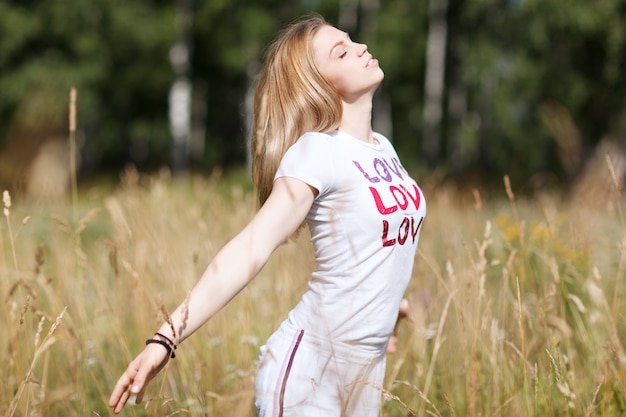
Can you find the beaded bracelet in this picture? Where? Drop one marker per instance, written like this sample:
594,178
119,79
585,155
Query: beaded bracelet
164,344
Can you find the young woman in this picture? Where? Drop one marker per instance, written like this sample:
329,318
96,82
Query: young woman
315,159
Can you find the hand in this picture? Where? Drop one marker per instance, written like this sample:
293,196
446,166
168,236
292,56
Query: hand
403,313
137,376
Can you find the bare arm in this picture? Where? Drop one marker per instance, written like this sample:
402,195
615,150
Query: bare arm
229,272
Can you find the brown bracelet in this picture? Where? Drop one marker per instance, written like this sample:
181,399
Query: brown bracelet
172,344
164,344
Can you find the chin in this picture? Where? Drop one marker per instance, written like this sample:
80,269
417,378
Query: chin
381,78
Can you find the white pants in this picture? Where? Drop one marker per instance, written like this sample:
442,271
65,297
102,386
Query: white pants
300,375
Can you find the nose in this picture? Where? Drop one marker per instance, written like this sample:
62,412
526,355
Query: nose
362,48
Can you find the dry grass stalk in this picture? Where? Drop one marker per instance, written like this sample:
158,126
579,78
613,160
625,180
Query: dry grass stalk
168,319
73,150
39,259
48,341
62,223
511,197
6,199
616,182
86,219
520,317
24,310
478,203
596,185
185,315
437,346
390,396
618,187
42,320
112,256
424,398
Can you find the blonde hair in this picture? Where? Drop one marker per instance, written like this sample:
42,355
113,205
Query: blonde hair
291,98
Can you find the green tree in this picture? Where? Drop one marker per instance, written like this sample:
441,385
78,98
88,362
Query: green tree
513,70
113,52
229,39
514,58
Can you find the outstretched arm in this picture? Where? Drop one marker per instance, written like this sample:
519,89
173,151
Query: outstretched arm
229,272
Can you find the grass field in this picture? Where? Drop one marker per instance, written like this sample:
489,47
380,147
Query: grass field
518,306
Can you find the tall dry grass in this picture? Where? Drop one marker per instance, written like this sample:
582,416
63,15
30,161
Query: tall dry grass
517,305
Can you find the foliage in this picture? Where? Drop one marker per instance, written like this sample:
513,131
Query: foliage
114,53
517,56
506,62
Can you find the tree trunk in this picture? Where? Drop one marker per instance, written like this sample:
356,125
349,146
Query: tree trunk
434,79
181,91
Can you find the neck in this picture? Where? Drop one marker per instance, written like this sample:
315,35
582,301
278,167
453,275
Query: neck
357,120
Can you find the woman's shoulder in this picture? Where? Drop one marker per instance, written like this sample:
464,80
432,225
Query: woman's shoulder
314,136
308,160
310,145
313,141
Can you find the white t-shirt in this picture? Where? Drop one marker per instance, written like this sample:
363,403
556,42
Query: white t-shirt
365,224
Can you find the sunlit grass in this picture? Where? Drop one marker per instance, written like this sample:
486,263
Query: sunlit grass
517,305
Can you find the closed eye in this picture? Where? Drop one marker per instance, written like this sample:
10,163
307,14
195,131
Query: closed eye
343,55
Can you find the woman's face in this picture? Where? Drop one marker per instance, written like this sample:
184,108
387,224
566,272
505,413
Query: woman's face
345,64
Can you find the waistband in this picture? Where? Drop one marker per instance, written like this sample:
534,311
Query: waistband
327,346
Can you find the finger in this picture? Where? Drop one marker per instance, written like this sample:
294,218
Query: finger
120,393
392,345
150,367
404,312
122,401
139,391
120,388
140,383
154,359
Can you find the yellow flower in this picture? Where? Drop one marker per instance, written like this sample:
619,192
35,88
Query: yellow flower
511,233
502,221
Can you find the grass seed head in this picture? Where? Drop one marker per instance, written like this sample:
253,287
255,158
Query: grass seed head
6,199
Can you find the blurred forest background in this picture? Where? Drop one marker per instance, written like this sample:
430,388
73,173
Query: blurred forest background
474,89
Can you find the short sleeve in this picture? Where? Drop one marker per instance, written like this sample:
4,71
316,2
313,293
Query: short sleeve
309,160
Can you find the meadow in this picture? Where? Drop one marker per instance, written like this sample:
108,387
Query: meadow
517,304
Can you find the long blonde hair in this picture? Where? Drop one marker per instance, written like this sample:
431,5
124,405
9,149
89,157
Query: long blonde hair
291,98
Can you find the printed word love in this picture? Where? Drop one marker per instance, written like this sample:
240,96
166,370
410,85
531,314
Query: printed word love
408,228
384,170
398,197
